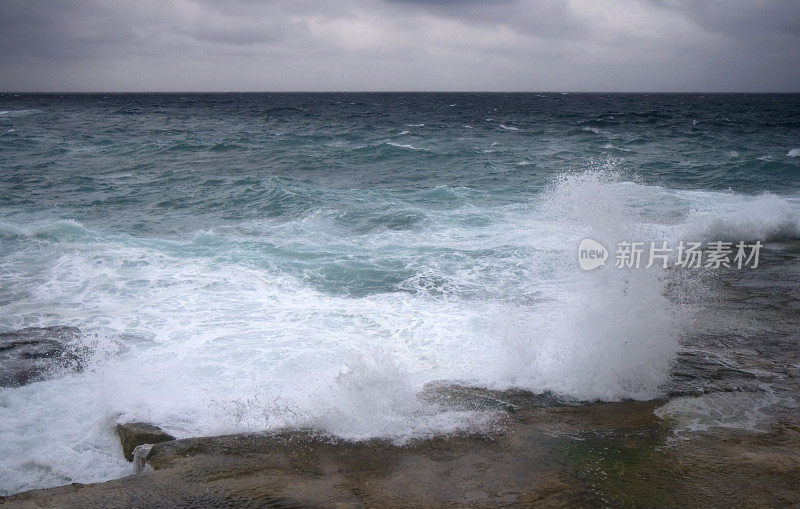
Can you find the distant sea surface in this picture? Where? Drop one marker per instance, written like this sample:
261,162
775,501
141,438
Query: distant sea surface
249,262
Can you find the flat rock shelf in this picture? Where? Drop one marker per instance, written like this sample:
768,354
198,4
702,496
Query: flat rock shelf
608,454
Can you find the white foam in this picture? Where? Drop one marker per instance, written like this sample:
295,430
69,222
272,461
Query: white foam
737,217
607,334
736,410
406,146
609,146
17,113
795,152
57,432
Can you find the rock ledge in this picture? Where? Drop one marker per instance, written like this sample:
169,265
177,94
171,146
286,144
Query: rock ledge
133,434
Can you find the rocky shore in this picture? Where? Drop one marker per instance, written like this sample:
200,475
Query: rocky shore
610,454
543,452
35,353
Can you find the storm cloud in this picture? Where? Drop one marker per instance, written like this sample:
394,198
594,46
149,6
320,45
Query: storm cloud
305,45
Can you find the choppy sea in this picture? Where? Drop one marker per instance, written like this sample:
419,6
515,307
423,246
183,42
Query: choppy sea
249,262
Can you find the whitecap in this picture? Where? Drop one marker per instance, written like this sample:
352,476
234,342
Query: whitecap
405,146
609,146
741,218
18,113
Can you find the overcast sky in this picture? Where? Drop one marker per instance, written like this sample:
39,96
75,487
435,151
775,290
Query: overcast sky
516,45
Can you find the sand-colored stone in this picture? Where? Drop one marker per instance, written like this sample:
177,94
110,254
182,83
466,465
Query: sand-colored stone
134,434
614,454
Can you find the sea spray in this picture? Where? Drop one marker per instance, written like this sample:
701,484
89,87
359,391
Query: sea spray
608,334
764,217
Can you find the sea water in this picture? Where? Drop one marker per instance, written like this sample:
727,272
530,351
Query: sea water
253,262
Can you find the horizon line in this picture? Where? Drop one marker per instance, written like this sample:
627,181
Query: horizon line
76,92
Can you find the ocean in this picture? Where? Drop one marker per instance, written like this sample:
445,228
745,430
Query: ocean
257,262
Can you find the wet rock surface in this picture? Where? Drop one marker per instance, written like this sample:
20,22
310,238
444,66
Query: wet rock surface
611,454
37,353
457,396
133,434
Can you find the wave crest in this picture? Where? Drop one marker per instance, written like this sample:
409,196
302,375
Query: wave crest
764,217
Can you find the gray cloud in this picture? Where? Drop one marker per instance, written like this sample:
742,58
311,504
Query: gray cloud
658,45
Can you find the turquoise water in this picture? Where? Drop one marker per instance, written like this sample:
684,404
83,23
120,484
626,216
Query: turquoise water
256,261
